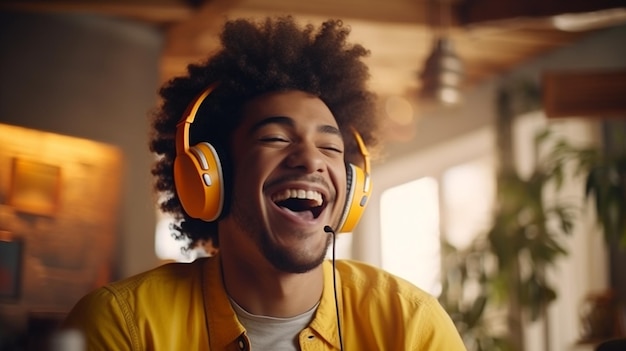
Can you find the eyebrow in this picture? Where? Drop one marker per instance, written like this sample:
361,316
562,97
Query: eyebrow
289,122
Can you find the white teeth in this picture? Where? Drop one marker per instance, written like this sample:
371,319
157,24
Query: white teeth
298,194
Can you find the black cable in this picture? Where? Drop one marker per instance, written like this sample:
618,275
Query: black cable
330,230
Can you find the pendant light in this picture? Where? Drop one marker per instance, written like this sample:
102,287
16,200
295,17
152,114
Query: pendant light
442,74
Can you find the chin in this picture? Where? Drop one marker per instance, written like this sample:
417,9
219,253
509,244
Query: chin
288,261
296,267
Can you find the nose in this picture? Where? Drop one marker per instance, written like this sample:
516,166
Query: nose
307,157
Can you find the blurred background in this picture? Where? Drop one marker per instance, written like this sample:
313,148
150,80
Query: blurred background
501,187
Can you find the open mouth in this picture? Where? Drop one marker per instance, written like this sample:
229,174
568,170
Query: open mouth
306,203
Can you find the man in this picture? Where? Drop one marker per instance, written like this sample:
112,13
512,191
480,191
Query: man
263,156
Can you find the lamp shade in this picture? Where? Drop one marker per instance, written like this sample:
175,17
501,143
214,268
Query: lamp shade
442,74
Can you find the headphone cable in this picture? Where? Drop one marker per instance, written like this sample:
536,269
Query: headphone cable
328,229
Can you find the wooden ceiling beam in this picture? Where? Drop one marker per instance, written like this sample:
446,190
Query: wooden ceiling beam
584,93
152,11
389,11
479,11
196,37
166,11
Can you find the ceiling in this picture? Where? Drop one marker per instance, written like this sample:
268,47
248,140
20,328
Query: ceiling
490,36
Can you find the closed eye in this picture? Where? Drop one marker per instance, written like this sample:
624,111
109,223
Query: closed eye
274,139
332,148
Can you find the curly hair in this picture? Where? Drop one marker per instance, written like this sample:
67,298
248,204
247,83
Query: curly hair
275,54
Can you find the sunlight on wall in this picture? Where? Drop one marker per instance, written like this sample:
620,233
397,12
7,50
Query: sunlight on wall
167,247
468,195
410,233
343,247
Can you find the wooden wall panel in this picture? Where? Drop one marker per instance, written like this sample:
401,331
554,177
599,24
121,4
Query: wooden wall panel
593,94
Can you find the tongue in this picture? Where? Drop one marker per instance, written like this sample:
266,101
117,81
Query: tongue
306,215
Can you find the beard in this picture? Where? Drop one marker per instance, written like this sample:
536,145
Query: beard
289,262
282,258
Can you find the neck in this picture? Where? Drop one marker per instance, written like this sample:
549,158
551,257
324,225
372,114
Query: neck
258,287
275,295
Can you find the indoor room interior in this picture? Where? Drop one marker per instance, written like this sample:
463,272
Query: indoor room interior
478,99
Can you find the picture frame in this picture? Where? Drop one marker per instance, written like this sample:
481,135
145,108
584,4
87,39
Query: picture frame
11,252
35,187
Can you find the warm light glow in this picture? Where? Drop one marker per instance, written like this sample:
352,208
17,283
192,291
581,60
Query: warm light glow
575,22
410,233
464,217
450,78
399,110
449,95
60,195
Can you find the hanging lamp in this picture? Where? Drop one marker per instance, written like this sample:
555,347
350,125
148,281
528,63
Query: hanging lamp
442,74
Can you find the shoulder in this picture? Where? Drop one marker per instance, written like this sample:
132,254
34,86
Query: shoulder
112,317
143,289
167,275
365,277
366,285
392,301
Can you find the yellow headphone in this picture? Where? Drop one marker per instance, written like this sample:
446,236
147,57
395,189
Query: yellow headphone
359,189
197,169
199,179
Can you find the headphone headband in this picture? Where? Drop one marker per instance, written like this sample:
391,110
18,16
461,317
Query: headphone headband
366,158
198,175
182,127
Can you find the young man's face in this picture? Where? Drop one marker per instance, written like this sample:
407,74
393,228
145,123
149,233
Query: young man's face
290,178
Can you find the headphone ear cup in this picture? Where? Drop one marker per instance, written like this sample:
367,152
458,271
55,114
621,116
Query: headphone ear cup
199,182
358,195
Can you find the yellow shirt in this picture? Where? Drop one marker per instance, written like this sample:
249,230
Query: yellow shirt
183,306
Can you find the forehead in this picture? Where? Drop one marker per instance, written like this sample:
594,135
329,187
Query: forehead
301,108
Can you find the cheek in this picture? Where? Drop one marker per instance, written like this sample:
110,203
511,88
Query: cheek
251,171
245,174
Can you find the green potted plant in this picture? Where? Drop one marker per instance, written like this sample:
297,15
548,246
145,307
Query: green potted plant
502,293
520,236
510,284
605,173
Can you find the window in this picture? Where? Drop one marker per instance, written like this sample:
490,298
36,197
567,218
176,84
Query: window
468,195
410,233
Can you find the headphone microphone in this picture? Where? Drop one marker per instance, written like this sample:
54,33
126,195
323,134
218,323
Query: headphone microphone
328,229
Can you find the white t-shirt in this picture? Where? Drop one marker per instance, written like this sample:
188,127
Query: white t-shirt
271,333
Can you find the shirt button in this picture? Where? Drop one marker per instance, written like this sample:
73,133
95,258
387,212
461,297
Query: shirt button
242,343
